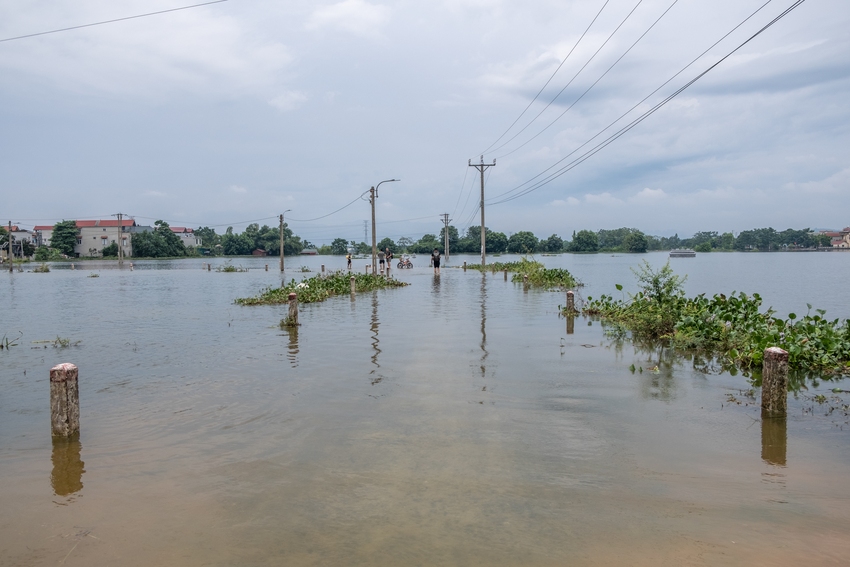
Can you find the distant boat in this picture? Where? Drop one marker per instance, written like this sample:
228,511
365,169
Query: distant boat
682,253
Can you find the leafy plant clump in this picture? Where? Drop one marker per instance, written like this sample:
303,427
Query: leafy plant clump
538,274
230,268
732,328
42,269
319,288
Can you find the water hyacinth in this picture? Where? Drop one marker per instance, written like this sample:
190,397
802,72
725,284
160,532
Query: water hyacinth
319,288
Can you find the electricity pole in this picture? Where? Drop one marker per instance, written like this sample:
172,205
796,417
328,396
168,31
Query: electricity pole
9,244
119,242
481,167
281,237
373,194
446,221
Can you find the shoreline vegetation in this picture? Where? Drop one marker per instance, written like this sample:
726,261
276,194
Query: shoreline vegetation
538,274
731,328
319,288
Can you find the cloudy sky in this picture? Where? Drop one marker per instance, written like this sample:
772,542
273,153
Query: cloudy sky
237,111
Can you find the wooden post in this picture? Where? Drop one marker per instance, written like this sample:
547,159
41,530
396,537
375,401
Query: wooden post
293,309
774,382
367,267
464,266
525,279
267,267
571,302
72,266
353,285
323,268
131,266
774,440
209,267
506,274
64,400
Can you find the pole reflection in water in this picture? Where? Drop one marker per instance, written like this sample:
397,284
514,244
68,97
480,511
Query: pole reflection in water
571,324
376,377
484,352
292,350
67,475
774,440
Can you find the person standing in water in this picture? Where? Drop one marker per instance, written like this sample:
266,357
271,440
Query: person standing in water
381,258
435,259
348,257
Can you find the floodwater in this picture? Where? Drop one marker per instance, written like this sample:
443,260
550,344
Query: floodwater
451,422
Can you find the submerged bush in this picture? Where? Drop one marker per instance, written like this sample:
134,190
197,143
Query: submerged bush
319,288
732,328
538,274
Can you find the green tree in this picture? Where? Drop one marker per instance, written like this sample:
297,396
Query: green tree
496,242
233,244
635,242
209,239
387,243
552,244
584,241
339,246
28,248
522,242
704,246
404,243
454,236
110,250
64,237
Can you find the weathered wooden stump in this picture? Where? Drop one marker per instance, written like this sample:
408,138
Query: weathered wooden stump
774,383
267,267
64,400
353,285
323,268
464,266
571,302
209,267
293,309
506,274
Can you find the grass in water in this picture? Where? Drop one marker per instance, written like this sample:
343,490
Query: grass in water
538,274
319,288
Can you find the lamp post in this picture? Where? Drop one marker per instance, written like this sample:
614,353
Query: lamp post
281,237
372,196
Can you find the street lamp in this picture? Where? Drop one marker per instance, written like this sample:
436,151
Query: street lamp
281,237
374,195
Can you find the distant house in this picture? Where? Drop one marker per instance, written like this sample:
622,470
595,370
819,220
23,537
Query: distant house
187,236
309,252
93,236
19,236
839,238
259,252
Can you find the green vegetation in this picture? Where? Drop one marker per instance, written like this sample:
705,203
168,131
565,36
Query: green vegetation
6,343
64,237
538,275
45,254
319,288
161,242
731,328
230,268
42,269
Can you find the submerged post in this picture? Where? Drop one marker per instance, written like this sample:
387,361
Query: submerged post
267,267
774,382
571,302
323,268
464,266
506,274
209,267
293,309
353,285
64,400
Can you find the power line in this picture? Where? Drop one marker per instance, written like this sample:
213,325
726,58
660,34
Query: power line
636,121
111,21
626,52
592,57
546,84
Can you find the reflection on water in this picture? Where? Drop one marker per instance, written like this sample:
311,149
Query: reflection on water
774,440
484,353
374,326
67,474
292,350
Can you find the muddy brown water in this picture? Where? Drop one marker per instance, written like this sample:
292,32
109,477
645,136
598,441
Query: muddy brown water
452,422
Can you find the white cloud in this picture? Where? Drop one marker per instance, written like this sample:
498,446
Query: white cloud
354,16
287,101
647,194
602,199
838,183
238,189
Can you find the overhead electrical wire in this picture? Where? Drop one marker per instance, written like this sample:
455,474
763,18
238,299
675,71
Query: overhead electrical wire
592,57
636,121
620,58
112,21
546,84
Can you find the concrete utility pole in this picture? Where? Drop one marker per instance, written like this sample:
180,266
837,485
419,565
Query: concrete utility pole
373,194
9,248
119,241
281,237
446,221
481,167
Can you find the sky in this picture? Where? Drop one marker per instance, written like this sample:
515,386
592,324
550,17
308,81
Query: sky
237,111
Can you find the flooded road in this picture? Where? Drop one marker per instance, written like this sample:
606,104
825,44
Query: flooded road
451,422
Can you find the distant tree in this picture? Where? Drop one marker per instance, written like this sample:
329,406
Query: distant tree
339,246
522,242
64,237
584,241
404,243
635,242
727,241
704,246
268,239
209,239
172,246
454,236
426,244
552,244
496,242
110,250
388,243
28,248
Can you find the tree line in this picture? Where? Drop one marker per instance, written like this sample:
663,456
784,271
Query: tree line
161,242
